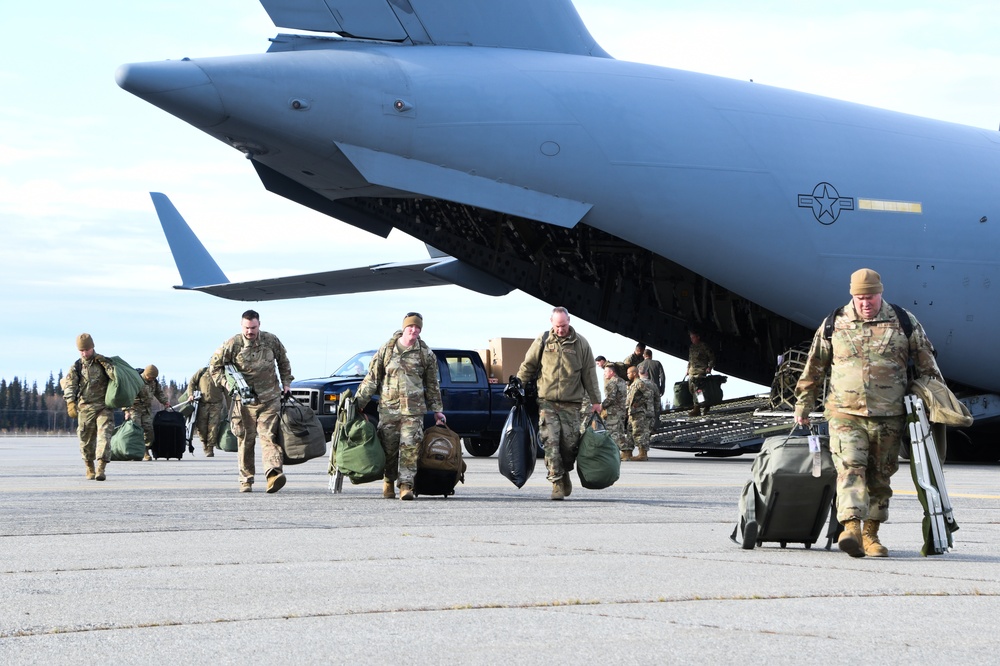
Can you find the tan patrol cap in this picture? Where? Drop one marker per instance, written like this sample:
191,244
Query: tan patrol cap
865,281
84,341
150,373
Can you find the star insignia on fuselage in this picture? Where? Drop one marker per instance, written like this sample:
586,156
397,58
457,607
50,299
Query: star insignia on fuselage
826,203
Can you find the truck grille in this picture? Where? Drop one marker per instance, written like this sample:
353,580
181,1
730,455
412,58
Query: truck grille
308,397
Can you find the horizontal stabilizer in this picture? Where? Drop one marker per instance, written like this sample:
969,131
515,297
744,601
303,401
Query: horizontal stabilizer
194,263
199,272
439,182
539,25
380,277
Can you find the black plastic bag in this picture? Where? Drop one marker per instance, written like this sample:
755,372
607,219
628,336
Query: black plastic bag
518,444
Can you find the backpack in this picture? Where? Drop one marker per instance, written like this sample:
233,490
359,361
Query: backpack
439,465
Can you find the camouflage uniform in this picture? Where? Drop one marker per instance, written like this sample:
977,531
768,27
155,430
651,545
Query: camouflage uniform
211,408
141,411
700,360
867,362
256,359
86,385
641,414
615,393
406,381
566,376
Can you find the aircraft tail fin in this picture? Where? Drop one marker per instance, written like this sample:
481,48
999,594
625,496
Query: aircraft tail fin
539,25
194,263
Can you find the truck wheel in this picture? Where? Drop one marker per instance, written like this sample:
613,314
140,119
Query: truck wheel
481,447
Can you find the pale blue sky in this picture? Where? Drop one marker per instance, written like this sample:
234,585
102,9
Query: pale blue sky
81,248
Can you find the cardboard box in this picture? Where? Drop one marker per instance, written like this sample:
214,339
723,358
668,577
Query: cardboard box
506,356
484,354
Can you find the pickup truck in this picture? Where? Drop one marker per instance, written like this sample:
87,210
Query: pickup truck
476,409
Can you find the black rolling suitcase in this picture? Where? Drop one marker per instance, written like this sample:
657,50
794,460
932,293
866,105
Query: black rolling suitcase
784,500
169,435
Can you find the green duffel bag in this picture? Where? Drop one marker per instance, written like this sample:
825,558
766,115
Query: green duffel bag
599,460
128,442
185,408
227,440
359,454
682,395
125,386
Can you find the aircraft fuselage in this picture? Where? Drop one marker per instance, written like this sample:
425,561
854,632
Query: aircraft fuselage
754,203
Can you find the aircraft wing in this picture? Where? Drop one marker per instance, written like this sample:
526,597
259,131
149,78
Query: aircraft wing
200,272
541,25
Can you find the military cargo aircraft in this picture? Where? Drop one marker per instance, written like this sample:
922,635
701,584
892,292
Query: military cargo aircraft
503,135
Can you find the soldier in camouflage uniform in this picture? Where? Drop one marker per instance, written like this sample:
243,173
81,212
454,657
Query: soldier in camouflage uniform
866,357
564,365
615,419
255,353
85,389
404,374
211,408
701,360
641,413
141,411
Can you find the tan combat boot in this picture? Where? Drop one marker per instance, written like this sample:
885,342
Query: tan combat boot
275,482
641,456
90,468
557,490
567,485
209,453
626,455
246,487
869,537
101,464
147,456
406,492
388,492
850,538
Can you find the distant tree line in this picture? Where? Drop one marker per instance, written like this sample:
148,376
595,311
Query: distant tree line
26,410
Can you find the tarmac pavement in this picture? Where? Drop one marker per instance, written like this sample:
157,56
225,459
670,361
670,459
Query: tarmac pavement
165,562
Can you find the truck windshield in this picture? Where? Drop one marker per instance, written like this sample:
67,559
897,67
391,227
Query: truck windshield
356,366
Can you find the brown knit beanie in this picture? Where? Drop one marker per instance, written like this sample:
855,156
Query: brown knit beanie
413,319
865,281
